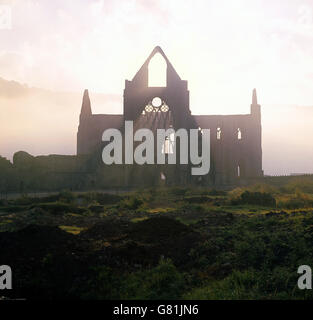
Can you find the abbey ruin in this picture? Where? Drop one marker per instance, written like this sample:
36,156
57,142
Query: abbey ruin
236,152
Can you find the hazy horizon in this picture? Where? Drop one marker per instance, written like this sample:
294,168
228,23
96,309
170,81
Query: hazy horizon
46,122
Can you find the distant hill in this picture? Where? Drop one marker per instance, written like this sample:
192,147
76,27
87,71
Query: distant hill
42,121
13,89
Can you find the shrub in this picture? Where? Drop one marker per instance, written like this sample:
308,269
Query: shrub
239,285
105,285
299,200
24,200
131,203
198,199
263,188
66,196
162,282
178,191
96,208
279,283
302,184
60,208
214,192
255,198
235,194
101,198
190,207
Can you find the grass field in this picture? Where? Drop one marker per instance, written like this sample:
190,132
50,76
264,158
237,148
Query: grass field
160,243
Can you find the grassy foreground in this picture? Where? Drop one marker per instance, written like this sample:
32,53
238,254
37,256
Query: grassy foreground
167,243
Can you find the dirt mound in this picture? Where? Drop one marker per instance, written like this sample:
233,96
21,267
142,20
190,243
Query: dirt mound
144,242
216,219
162,236
105,230
158,229
45,261
34,241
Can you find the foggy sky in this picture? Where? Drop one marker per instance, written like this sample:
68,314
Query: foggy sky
223,48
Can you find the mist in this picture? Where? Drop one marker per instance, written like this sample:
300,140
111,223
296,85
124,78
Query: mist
43,122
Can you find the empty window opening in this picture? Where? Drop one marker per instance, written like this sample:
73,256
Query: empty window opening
239,134
218,133
168,145
238,171
157,71
156,102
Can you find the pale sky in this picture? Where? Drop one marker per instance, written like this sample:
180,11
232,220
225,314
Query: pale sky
223,48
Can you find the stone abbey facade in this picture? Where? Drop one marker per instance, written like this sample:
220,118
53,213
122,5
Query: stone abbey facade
236,152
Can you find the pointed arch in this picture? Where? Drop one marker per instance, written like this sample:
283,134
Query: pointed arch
157,71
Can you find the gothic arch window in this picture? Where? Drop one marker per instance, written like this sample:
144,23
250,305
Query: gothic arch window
168,145
218,133
238,171
157,71
239,134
